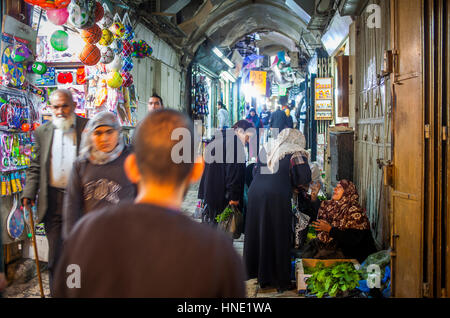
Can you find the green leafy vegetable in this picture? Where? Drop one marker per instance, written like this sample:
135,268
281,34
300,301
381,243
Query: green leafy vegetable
224,215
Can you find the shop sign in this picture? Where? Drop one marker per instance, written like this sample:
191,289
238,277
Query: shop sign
258,81
323,98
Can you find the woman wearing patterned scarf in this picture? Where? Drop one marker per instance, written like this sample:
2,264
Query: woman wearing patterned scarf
343,226
98,178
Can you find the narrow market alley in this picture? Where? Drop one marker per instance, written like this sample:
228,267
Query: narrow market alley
318,141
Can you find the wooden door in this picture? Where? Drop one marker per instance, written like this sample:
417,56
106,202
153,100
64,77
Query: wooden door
407,36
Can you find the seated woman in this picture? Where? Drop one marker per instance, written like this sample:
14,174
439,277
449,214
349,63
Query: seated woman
343,227
98,178
267,241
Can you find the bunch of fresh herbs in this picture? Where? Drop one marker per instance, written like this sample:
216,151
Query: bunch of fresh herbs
224,215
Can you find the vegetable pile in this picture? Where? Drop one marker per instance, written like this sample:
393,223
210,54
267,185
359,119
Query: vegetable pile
224,215
333,279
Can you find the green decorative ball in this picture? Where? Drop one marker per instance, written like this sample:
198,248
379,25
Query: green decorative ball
60,40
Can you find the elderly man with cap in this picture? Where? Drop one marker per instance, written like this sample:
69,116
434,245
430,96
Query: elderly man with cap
98,178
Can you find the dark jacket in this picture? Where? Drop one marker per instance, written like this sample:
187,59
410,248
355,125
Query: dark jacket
39,170
279,120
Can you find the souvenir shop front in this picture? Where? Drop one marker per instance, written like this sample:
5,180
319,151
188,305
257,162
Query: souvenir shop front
85,47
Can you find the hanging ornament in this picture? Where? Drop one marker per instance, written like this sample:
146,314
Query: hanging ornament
107,38
92,35
127,79
99,11
82,13
127,64
129,33
20,53
39,68
117,46
58,16
127,48
116,64
117,29
59,40
107,55
114,79
106,21
141,49
90,55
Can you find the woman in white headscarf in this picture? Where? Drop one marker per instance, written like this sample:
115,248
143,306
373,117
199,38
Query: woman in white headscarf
98,178
268,227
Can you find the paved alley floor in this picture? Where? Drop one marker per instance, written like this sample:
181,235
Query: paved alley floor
30,289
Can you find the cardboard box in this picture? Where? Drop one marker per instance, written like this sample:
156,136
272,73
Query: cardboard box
311,262
42,246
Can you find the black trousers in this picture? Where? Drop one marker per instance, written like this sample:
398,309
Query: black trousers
53,229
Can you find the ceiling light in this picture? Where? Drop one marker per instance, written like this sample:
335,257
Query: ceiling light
217,52
228,62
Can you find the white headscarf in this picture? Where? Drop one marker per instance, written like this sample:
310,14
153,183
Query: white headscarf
289,141
87,149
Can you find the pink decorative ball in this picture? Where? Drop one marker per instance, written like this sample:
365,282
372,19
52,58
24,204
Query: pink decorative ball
58,16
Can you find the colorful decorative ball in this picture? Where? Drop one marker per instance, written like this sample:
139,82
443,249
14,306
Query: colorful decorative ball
99,11
106,21
20,53
39,68
58,16
127,79
82,13
25,127
117,46
127,48
59,40
141,49
118,29
90,55
92,35
114,80
107,37
127,64
107,55
129,33
116,64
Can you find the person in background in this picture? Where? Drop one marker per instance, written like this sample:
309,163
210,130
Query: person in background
98,178
222,183
254,119
265,121
155,102
290,122
268,230
57,144
148,248
222,116
279,119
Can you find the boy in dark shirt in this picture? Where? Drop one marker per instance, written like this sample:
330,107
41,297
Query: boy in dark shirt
149,249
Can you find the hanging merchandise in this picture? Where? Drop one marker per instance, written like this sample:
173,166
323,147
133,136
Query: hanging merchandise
127,48
114,79
13,73
20,53
49,4
107,55
99,11
141,49
118,29
65,78
117,46
81,76
39,68
107,20
129,33
107,38
90,55
58,16
127,64
127,79
14,223
59,40
102,94
92,35
82,13
46,79
116,64
201,95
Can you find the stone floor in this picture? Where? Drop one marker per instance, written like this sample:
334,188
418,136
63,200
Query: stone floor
25,282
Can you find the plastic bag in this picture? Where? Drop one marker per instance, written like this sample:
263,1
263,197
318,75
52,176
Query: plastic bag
301,229
233,224
199,210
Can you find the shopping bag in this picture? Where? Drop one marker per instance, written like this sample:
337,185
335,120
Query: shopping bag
199,210
231,221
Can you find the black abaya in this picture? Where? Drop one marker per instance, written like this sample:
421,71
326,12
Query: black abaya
268,237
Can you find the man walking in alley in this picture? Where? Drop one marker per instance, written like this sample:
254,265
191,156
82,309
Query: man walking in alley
57,145
155,102
279,119
149,248
222,116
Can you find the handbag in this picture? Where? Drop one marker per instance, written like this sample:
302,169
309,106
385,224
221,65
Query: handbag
231,221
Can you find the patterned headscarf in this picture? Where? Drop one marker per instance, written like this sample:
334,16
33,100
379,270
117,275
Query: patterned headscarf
343,214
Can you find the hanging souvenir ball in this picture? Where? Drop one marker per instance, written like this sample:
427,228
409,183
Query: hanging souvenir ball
127,48
127,64
106,21
114,80
107,38
129,33
59,40
99,11
141,49
117,46
90,55
127,79
82,13
39,68
116,64
107,55
117,29
58,16
92,35
20,53
25,127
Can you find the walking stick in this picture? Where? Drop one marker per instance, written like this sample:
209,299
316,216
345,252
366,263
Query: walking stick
36,256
